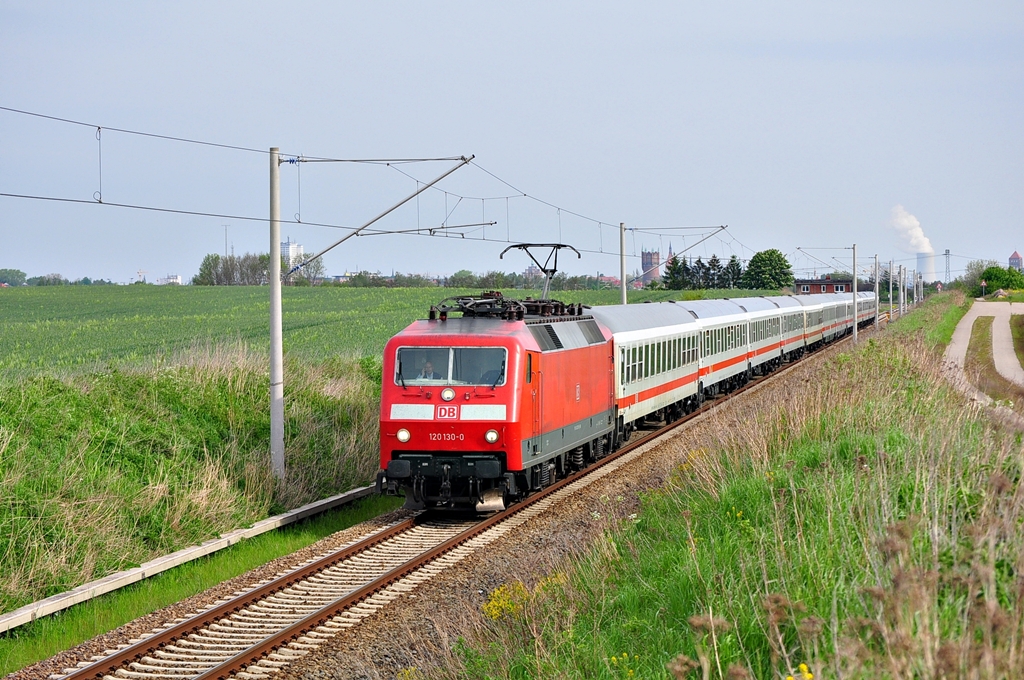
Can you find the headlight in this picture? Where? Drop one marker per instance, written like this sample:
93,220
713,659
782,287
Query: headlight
491,436
403,435
447,394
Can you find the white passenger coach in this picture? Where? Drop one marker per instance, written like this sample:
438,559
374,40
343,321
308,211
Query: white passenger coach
670,356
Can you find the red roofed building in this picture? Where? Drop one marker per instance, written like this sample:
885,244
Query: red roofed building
1016,262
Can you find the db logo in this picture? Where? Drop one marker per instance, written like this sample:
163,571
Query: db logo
446,412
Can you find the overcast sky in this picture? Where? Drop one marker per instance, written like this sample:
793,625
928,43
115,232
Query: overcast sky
799,124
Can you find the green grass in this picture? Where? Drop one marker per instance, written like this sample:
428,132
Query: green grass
1017,331
103,471
936,318
48,636
851,525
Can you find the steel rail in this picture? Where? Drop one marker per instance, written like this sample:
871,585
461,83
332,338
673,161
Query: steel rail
136,651
253,654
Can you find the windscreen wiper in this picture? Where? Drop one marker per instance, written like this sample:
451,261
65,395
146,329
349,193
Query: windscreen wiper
501,374
401,378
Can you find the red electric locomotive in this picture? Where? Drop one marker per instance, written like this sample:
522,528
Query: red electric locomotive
485,407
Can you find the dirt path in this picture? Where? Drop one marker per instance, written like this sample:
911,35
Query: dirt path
1004,357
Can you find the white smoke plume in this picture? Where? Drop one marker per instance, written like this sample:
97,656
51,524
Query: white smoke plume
910,231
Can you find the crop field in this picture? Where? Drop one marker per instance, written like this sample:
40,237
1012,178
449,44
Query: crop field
65,330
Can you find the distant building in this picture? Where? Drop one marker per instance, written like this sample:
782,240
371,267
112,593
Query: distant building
610,281
1016,262
169,280
650,265
291,252
826,284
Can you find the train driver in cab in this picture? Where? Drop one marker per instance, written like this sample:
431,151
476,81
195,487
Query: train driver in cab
428,373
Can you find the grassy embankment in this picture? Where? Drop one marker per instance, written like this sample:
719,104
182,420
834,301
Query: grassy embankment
868,524
133,420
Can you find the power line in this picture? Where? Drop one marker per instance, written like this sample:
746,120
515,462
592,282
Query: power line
542,201
234,147
655,231
134,132
295,159
440,231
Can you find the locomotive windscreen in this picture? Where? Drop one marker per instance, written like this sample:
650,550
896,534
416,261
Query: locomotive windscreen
450,366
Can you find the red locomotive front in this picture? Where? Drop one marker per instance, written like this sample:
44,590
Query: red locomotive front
469,419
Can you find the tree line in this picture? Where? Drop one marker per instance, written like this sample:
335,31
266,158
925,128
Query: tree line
253,269
767,270
995,277
16,277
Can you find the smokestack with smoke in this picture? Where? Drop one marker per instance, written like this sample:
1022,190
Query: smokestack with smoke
913,240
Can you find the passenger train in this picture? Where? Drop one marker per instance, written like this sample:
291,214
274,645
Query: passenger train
490,398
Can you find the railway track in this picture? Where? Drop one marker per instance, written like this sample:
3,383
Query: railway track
256,633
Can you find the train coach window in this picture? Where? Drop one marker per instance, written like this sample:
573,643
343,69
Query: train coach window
529,368
451,365
422,365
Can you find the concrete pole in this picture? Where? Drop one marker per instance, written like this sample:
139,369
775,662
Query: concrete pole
622,260
901,289
276,349
854,286
876,292
891,307
913,282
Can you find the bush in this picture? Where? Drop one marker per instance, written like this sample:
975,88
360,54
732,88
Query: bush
997,277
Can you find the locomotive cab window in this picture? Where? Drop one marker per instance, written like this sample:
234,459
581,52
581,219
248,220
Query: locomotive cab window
451,366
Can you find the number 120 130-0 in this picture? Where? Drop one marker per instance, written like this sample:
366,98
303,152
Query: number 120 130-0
446,437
